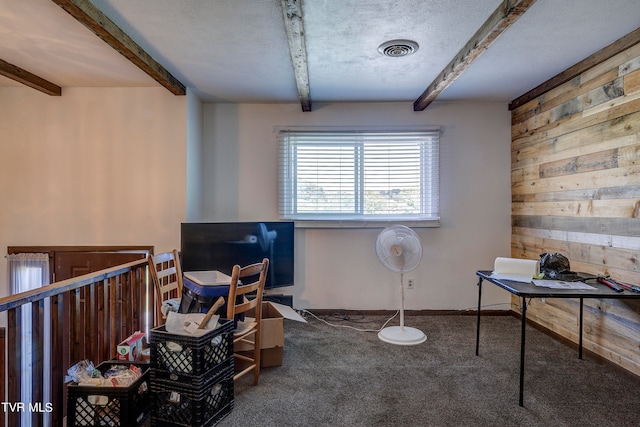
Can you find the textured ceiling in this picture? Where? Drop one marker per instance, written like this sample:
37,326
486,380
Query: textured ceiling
237,51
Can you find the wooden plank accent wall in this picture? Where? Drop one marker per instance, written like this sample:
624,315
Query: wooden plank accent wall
575,178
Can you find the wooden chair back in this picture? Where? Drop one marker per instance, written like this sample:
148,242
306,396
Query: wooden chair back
237,293
166,275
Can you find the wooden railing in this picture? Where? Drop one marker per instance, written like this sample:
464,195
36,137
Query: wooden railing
89,316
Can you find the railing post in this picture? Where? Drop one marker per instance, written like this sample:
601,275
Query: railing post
14,355
37,362
92,330
59,355
113,327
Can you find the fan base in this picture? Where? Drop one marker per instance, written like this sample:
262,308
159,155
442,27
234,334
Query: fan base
402,335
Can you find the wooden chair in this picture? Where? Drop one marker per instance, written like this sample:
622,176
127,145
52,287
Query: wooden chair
248,361
166,274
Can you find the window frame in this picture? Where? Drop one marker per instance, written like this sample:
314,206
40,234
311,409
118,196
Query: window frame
429,177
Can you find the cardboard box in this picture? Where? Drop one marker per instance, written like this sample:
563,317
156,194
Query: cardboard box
131,348
271,334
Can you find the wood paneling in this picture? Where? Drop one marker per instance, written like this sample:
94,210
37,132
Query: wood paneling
575,180
581,68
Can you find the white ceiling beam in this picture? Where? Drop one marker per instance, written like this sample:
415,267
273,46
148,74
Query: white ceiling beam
499,21
96,21
293,22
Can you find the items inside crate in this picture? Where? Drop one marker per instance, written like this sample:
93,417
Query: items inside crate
118,374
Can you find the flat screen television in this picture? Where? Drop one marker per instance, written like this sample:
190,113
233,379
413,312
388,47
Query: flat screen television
221,245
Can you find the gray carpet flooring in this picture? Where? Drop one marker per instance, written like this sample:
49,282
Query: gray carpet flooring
337,376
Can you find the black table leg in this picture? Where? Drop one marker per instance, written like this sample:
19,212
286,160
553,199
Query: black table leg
478,324
580,339
522,337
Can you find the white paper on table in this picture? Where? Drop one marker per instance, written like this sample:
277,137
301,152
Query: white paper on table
561,284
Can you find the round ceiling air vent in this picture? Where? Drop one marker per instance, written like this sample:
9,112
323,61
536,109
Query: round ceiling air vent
398,48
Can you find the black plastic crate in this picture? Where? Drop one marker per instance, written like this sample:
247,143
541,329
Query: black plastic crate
195,381
185,354
110,406
176,404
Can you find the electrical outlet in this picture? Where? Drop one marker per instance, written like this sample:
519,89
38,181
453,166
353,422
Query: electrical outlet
409,283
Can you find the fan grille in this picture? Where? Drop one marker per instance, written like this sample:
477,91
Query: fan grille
410,249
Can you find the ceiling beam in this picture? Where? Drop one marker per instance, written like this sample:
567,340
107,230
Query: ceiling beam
96,21
620,45
26,78
292,12
501,19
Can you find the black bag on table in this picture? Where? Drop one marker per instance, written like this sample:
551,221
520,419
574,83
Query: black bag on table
556,266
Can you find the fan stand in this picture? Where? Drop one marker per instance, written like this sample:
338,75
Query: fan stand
402,335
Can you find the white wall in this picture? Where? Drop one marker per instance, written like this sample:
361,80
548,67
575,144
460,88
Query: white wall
108,166
337,268
96,166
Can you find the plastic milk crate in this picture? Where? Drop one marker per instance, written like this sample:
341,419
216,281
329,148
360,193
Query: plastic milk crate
110,406
177,404
194,381
185,355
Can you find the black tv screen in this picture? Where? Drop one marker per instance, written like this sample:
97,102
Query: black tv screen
221,245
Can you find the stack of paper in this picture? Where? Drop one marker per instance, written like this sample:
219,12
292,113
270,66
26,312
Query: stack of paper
515,269
561,284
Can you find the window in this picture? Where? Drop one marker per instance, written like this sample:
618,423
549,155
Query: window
359,176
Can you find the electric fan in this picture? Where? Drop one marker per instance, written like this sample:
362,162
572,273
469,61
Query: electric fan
398,248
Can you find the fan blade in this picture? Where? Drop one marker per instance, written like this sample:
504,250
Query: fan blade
387,238
396,262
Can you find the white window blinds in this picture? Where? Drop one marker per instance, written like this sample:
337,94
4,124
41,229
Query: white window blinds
359,175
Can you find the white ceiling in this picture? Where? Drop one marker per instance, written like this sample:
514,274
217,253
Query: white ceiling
237,50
